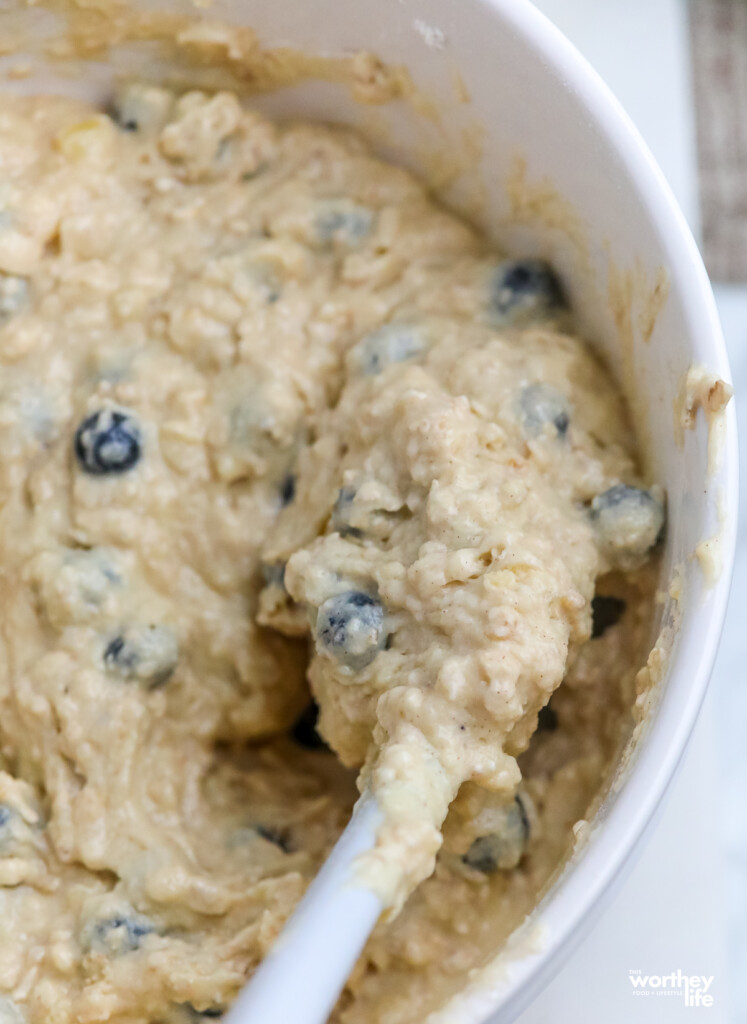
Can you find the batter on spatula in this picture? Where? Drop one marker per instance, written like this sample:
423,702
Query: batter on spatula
449,524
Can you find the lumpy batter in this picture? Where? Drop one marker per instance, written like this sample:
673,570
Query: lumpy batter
268,412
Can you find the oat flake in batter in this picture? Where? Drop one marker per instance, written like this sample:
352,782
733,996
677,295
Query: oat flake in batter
266,409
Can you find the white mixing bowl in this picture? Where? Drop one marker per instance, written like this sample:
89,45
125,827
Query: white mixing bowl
564,174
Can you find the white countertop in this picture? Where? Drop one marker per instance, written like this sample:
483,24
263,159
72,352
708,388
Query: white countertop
671,911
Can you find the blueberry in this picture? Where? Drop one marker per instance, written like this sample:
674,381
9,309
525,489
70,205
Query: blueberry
271,291
93,573
141,108
544,406
17,836
392,343
127,124
547,719
250,833
606,611
274,836
108,442
118,934
74,585
287,489
146,654
304,731
629,521
342,222
503,849
14,292
350,626
524,290
261,275
342,512
251,419
14,832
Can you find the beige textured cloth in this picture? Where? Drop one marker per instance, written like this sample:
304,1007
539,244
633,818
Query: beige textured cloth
719,47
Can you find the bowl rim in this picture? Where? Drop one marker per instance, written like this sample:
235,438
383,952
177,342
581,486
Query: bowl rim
585,887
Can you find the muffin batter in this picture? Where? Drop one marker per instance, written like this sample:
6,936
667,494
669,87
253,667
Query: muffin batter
265,408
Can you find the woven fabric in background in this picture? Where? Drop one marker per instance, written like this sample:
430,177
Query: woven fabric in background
718,36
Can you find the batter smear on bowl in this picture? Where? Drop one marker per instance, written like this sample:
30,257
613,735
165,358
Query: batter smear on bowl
280,437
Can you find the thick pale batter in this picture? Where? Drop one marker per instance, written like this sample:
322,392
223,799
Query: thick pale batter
263,403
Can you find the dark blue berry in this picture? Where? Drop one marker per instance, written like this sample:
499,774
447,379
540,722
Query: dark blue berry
350,626
543,406
147,654
273,835
119,934
629,521
524,290
117,654
622,497
606,611
140,108
125,112
253,831
126,124
16,835
342,512
108,442
389,344
343,222
189,1013
503,849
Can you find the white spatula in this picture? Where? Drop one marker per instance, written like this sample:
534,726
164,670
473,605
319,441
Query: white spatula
300,979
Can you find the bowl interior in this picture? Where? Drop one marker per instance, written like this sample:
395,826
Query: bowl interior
540,157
